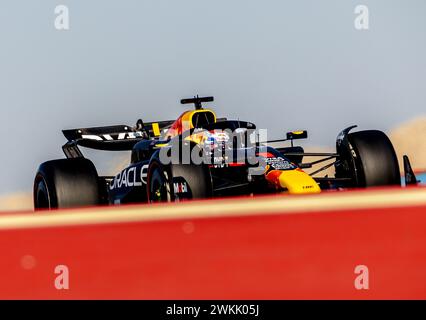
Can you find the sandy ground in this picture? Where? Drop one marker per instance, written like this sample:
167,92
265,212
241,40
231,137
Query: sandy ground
17,201
408,138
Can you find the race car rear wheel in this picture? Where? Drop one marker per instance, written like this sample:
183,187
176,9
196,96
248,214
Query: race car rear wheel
374,158
66,183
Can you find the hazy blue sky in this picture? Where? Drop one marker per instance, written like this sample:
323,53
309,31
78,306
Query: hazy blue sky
281,64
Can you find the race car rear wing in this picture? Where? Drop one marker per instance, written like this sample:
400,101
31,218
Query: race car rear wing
111,138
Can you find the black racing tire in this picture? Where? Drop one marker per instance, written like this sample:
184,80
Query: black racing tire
66,183
177,182
375,160
158,183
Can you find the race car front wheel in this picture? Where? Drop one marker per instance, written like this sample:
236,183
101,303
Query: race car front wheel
66,183
373,159
158,188
177,182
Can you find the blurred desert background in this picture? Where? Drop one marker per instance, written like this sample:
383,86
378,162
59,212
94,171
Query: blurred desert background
409,138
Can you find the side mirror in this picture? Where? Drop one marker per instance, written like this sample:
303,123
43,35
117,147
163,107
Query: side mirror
293,135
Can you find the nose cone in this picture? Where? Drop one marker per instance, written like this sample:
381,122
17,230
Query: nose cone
295,181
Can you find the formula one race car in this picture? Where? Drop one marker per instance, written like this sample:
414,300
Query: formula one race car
201,156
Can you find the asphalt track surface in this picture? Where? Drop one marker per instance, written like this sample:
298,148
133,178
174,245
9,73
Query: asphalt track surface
271,247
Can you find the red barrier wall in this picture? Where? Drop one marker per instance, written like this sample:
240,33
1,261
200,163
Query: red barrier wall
284,256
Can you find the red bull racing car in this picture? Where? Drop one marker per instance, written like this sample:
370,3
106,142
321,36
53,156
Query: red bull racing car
201,156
